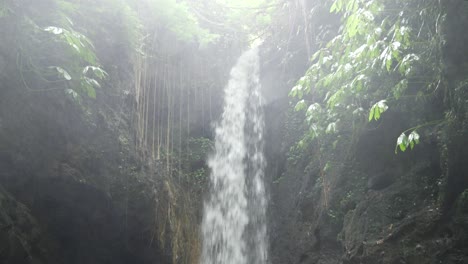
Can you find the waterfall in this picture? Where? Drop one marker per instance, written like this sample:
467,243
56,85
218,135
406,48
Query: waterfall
234,225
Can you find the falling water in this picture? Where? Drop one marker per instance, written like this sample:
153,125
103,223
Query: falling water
234,226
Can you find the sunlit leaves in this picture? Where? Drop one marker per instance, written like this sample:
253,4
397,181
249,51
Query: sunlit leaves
358,82
301,105
357,22
406,64
339,5
297,92
389,54
88,85
72,94
335,98
331,128
54,30
52,54
377,110
63,73
82,47
400,88
413,138
405,142
336,7
249,16
181,19
359,52
402,142
314,131
383,49
79,43
313,109
303,85
97,71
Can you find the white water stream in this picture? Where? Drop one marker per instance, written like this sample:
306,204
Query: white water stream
234,225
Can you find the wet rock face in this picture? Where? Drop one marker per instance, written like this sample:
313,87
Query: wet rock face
22,238
73,223
82,220
388,226
381,208
65,179
380,181
392,217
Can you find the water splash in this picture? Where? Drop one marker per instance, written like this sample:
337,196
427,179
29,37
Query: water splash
234,225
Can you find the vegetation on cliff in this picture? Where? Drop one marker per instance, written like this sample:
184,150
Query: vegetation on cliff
115,100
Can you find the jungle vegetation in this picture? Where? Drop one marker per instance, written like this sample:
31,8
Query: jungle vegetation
136,86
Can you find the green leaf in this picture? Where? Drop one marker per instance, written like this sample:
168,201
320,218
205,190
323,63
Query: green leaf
301,105
402,142
352,25
63,73
337,6
297,92
80,44
403,147
382,105
100,73
388,62
71,93
92,82
400,88
316,55
401,139
335,99
371,114
377,109
88,86
54,30
331,128
377,113
313,109
314,131
91,92
414,137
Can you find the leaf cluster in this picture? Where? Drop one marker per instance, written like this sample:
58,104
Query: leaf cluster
51,53
386,54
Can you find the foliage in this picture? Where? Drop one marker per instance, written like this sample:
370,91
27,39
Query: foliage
110,19
51,54
377,110
81,48
241,21
392,57
200,148
53,39
405,141
249,14
179,18
198,177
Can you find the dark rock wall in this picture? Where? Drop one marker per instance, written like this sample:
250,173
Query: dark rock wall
378,207
72,180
